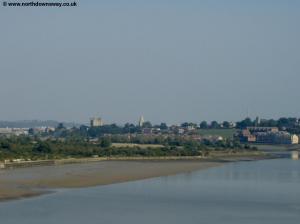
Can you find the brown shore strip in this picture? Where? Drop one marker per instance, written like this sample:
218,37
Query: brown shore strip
34,181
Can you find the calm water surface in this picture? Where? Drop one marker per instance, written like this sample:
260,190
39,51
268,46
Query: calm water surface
245,192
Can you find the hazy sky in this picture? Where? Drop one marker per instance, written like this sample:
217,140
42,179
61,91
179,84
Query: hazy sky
172,61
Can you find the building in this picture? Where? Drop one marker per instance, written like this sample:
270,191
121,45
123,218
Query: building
96,122
190,128
147,131
13,131
141,121
232,124
6,131
264,137
280,137
267,135
295,139
246,136
180,131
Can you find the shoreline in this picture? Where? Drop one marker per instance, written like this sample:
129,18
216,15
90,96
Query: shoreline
221,156
35,181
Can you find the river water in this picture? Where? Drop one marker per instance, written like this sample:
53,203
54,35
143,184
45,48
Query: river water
265,191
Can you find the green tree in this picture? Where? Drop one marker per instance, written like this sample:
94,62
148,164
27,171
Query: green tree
147,124
245,123
42,147
105,143
163,126
203,125
226,124
60,126
214,124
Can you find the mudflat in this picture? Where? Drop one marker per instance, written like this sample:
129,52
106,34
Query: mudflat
33,181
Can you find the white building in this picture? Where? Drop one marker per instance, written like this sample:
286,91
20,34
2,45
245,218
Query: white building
96,122
141,121
294,139
13,131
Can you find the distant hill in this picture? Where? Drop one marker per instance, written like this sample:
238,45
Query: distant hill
34,123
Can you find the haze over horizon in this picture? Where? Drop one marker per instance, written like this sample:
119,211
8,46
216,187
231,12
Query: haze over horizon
171,61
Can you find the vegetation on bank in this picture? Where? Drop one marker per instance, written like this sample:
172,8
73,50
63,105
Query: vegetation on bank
35,148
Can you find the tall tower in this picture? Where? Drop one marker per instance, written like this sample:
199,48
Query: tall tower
96,122
141,121
257,121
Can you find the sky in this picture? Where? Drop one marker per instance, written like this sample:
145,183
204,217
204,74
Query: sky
170,61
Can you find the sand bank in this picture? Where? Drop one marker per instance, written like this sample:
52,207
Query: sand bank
26,182
32,181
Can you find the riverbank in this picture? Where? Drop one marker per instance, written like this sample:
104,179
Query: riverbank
33,181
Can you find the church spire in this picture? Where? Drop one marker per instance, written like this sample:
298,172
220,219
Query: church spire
141,121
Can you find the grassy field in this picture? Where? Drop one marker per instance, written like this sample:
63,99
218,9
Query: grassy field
225,133
131,145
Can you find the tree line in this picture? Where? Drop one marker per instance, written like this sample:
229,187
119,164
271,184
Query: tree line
290,124
34,148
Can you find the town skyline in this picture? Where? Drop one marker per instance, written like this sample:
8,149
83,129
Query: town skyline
100,121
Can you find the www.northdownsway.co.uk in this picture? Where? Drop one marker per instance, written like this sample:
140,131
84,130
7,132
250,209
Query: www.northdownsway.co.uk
39,4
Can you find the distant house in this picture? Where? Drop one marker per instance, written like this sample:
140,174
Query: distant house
267,135
232,124
180,131
190,128
147,131
156,130
264,137
284,137
13,131
280,137
246,136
